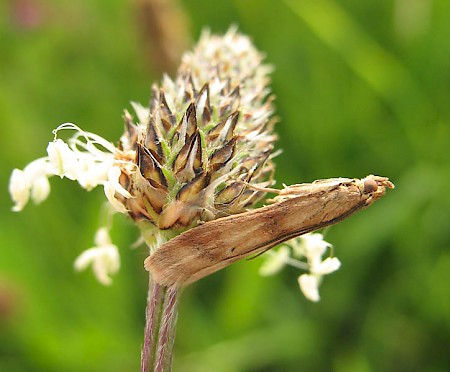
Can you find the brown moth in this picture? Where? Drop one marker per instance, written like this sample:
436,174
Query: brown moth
297,210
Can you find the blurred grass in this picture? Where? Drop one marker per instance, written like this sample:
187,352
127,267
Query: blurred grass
362,87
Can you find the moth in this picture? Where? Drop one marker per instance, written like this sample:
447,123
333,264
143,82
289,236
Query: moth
296,210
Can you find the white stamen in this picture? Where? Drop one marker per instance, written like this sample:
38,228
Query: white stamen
104,258
309,284
19,188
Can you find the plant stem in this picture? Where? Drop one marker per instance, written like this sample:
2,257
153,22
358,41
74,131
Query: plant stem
160,320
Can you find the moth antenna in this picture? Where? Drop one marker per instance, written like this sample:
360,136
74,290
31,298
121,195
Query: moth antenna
258,188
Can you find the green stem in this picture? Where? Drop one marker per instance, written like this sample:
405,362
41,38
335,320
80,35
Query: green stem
159,335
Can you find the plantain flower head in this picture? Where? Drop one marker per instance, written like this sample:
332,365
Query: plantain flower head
202,149
205,136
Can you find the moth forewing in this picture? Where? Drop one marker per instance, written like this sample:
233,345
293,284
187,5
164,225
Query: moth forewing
297,210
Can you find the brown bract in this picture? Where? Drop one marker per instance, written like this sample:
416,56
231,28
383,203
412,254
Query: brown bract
296,210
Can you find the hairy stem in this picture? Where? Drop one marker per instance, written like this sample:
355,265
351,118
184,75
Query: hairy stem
166,335
159,335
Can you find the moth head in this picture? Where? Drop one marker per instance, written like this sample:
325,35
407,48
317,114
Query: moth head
369,185
374,187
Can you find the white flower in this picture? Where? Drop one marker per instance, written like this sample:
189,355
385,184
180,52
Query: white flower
63,160
40,189
275,262
19,189
313,247
309,248
104,257
309,284
33,180
327,266
85,157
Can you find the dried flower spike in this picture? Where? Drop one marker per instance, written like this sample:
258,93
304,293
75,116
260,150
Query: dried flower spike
205,135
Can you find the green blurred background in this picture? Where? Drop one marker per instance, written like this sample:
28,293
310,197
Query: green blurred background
362,87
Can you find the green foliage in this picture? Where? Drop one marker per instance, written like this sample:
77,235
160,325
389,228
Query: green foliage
362,87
